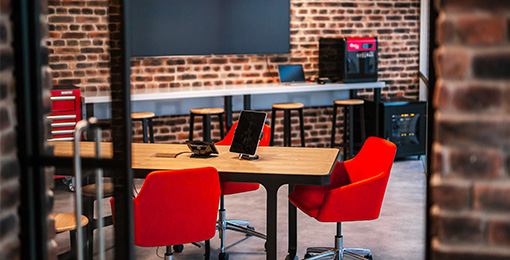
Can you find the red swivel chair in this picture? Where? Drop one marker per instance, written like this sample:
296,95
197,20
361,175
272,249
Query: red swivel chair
228,188
176,207
356,193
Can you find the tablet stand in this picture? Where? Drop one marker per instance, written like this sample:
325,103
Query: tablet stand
248,157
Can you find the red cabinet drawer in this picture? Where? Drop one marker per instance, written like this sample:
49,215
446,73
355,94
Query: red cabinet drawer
63,103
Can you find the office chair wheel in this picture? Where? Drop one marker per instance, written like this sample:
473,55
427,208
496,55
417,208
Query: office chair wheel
178,248
252,228
223,256
70,186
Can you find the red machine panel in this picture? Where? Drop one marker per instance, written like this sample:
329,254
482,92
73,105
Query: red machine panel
65,111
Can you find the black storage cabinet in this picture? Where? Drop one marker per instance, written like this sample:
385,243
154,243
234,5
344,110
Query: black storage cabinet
402,121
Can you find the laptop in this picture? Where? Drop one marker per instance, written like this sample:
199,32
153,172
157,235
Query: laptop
248,134
292,75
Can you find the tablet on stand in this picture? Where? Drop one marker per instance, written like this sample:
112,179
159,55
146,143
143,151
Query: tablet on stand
248,134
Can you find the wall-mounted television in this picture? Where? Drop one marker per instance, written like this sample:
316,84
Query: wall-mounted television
204,27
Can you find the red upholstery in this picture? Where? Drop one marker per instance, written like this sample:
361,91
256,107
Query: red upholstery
176,207
357,186
228,188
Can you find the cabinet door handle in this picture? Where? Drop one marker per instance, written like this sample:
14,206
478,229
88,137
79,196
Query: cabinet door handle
63,98
62,139
63,124
61,132
62,117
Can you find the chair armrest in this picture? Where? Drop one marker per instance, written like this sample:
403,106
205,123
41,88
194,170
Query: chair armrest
356,201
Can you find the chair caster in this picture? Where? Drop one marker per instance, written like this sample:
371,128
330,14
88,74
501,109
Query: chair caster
223,256
252,228
178,248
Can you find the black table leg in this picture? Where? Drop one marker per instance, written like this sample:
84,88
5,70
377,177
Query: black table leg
271,221
292,219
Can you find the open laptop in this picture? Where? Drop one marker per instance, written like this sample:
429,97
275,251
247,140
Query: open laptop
292,75
248,133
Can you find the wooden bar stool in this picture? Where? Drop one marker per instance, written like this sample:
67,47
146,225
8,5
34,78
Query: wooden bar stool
348,126
67,222
206,114
287,108
146,118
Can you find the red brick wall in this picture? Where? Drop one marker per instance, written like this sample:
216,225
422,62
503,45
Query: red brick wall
79,53
470,179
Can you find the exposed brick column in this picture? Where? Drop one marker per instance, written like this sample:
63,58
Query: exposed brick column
9,164
470,182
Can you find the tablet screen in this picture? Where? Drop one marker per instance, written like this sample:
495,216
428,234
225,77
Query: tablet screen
248,131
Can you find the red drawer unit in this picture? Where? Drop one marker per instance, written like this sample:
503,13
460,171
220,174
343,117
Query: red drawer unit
65,112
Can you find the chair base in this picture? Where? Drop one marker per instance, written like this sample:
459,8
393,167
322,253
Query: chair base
323,252
241,226
338,252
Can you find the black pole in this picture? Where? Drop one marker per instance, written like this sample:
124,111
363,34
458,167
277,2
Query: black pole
28,61
121,128
430,122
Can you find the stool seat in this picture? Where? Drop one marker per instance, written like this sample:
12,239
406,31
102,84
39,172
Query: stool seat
90,190
142,115
146,118
348,102
288,105
207,111
67,221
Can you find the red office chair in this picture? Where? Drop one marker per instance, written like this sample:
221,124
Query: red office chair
228,188
356,193
176,207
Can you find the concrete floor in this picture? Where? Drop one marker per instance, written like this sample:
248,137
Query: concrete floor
399,233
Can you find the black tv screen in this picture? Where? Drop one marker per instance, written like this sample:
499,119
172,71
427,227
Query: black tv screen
204,27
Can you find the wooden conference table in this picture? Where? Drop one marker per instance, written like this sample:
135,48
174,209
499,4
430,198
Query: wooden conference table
277,166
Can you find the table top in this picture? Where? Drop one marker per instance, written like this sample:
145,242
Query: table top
293,161
225,90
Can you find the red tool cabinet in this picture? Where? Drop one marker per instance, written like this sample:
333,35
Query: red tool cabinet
65,112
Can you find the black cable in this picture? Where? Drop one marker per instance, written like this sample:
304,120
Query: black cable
177,154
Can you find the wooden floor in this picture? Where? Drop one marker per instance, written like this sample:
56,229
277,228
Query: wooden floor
399,233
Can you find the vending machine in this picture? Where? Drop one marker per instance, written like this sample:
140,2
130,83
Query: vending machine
348,59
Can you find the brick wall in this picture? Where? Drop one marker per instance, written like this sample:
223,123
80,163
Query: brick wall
79,53
9,165
470,179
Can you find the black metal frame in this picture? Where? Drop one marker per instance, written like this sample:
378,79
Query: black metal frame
29,59
430,122
27,71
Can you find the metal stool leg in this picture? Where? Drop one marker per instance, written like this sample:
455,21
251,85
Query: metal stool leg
344,144
333,126
151,130
273,119
351,131
302,127
286,128
191,126
144,130
222,126
206,128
